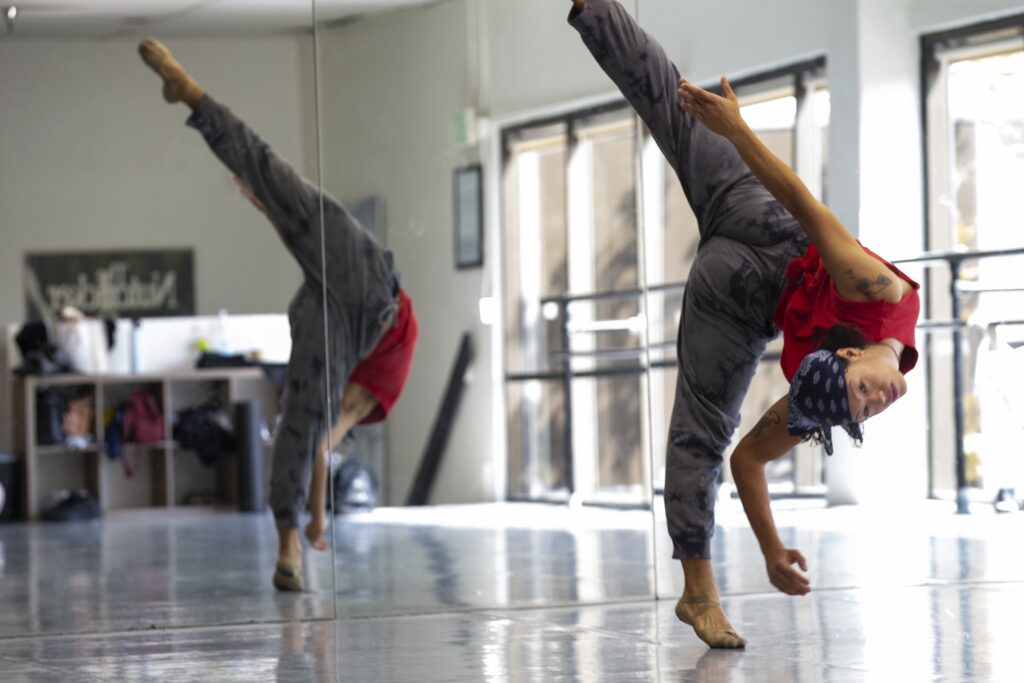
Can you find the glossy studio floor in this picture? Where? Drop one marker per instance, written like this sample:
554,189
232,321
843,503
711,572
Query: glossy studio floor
510,592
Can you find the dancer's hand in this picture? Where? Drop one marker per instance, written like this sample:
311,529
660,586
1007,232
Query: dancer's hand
782,575
720,114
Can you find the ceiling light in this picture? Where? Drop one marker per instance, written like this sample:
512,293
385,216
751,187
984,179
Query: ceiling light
11,13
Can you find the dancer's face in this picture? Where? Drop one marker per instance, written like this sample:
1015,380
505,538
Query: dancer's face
872,383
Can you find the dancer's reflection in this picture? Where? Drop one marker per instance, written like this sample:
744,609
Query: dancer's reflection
771,258
371,328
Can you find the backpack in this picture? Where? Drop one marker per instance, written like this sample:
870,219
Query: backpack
143,421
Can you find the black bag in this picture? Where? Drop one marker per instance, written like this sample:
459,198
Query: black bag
39,355
355,488
69,506
222,360
203,430
50,406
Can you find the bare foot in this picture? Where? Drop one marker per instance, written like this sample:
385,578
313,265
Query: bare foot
178,85
288,570
315,532
709,622
288,574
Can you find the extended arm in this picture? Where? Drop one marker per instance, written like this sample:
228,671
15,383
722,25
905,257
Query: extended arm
858,276
768,440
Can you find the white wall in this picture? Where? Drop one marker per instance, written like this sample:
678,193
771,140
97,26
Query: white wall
390,86
534,59
91,158
937,15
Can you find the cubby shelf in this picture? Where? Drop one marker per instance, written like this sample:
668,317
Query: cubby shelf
163,477
62,449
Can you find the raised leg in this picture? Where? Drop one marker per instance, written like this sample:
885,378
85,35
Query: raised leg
290,202
707,165
179,86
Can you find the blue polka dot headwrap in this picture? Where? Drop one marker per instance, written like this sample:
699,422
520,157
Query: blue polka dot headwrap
818,399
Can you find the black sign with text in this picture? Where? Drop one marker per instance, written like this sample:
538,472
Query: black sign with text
117,284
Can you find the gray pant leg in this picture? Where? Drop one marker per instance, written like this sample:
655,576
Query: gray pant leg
726,323
301,428
312,398
361,278
727,319
291,202
706,163
304,417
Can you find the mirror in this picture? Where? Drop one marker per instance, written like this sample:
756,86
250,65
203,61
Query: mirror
513,469
112,206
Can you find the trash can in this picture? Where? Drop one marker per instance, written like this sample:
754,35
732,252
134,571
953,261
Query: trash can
251,488
10,487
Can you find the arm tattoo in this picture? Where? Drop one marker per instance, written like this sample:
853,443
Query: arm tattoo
869,288
770,418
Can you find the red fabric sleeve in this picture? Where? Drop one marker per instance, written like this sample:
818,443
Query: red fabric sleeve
384,372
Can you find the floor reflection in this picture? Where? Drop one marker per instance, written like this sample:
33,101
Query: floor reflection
417,560
832,636
486,593
148,569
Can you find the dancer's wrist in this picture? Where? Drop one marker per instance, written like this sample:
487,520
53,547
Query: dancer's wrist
739,132
770,547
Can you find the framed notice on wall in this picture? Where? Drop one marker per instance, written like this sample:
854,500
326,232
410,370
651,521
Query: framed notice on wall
116,284
469,217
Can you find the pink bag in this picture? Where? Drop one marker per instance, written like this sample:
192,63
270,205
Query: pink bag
143,421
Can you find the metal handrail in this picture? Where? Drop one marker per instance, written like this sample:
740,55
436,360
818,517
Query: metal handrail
954,259
613,294
959,255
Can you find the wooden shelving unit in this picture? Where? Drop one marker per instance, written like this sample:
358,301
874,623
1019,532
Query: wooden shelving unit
165,472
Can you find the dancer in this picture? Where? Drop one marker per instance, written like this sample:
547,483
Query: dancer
771,257
371,331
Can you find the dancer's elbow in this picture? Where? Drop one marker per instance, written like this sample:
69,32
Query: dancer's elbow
739,463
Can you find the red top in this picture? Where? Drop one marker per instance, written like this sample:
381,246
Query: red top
384,371
810,305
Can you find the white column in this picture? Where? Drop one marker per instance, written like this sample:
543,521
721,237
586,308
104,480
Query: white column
580,253
876,190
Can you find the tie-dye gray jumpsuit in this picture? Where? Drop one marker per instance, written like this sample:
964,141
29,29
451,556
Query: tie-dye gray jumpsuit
746,242
361,285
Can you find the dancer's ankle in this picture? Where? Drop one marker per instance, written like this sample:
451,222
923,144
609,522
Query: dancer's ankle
699,580
289,548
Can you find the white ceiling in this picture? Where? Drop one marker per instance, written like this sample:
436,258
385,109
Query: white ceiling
107,18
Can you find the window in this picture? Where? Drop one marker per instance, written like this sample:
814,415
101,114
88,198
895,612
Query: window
577,313
572,309
974,93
